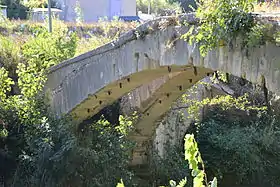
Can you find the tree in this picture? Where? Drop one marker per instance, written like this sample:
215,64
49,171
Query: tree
187,5
15,9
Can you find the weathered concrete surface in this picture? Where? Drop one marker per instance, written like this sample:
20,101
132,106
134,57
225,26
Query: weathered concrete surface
108,72
107,69
85,84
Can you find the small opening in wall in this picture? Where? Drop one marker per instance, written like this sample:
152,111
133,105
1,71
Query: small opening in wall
114,70
136,60
195,71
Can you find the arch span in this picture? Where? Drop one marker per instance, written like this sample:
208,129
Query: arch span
85,84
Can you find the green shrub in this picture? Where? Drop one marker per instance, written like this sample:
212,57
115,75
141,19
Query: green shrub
172,167
9,54
49,49
241,151
221,24
57,157
49,152
41,52
15,9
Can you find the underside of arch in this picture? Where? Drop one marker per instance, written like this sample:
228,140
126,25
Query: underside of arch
176,80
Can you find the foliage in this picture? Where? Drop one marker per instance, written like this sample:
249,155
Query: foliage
95,41
187,5
222,21
126,123
219,76
240,150
171,167
226,102
121,184
110,31
9,54
193,156
46,150
43,51
158,7
255,36
277,37
79,13
35,3
23,5
50,153
5,83
15,8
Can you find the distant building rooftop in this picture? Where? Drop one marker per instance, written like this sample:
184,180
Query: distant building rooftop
45,10
129,18
41,14
145,17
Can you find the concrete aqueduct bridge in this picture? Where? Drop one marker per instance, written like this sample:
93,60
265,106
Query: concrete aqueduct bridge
85,84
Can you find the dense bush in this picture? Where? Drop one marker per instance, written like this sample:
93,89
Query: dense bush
221,24
241,151
172,166
15,9
51,153
187,5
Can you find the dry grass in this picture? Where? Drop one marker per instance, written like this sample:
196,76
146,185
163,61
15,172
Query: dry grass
90,36
26,27
268,7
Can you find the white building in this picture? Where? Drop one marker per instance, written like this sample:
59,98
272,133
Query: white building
3,10
41,14
93,10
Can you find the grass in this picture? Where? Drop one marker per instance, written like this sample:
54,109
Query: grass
82,30
86,44
90,36
268,7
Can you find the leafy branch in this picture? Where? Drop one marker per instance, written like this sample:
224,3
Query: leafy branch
222,21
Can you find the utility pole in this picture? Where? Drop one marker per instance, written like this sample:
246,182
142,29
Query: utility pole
149,7
50,15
